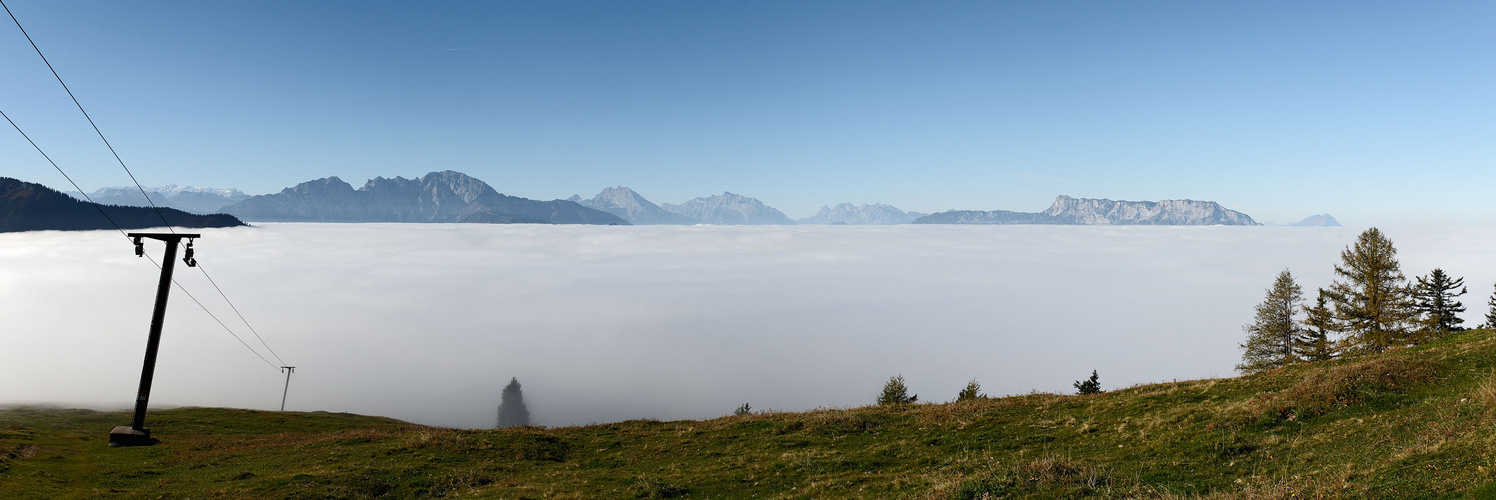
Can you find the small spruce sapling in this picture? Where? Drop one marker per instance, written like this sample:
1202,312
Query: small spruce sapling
743,410
1491,312
896,393
1313,342
1089,386
972,392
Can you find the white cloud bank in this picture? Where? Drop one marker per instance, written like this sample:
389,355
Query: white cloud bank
428,322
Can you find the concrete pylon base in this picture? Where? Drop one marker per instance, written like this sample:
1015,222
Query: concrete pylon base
125,435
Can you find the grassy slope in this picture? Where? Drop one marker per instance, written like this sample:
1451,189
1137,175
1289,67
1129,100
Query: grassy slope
1415,422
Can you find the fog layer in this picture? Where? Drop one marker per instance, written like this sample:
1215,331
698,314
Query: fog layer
427,322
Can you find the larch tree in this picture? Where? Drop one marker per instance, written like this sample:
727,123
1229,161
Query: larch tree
1436,300
1272,334
1313,343
512,410
1372,299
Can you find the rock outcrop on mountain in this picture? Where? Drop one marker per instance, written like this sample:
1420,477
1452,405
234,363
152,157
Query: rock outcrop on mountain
25,206
199,200
627,204
847,213
1321,220
435,197
1067,210
1089,211
728,208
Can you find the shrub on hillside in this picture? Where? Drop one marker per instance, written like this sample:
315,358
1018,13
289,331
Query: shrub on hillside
1089,386
896,393
972,392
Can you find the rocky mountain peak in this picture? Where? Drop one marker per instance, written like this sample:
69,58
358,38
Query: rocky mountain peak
632,207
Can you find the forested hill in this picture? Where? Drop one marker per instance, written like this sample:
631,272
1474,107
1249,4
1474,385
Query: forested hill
26,206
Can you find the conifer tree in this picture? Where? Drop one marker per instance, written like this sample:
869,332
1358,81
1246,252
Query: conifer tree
1314,342
1372,298
1436,301
1491,311
972,392
512,410
896,393
743,410
1089,386
1272,334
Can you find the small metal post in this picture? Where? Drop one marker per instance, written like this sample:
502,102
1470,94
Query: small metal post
289,370
137,433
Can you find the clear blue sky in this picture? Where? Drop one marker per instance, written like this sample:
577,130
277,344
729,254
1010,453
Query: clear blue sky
1376,112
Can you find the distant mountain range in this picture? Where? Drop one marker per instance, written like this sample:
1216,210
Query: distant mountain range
197,200
847,213
450,196
627,204
25,206
729,209
732,209
435,197
1088,211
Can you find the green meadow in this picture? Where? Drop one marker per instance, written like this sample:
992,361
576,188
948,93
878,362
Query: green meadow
1409,423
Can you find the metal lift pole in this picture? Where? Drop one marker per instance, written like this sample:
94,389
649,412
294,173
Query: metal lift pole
137,433
289,370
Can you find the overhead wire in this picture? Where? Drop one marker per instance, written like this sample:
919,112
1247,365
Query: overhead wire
85,115
241,316
215,318
137,186
152,259
64,174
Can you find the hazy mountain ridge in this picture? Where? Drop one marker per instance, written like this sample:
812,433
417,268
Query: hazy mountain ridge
201,200
632,207
450,196
446,196
729,209
847,213
982,217
1321,220
26,206
1092,211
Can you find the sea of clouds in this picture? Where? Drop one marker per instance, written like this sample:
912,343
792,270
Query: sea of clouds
427,322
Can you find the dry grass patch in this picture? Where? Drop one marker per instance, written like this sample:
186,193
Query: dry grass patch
1485,393
1322,391
1051,474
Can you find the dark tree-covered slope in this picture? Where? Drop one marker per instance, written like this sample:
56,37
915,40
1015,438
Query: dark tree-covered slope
26,206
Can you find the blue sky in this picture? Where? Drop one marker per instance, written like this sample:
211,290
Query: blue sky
1376,112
